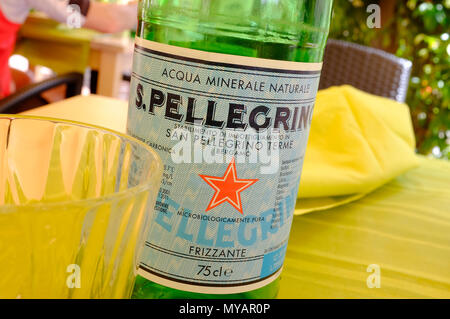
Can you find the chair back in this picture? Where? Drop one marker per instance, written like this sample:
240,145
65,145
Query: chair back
30,97
368,69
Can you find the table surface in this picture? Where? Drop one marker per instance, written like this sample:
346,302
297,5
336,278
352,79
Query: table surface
399,234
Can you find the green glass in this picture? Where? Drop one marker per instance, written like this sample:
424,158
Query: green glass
290,30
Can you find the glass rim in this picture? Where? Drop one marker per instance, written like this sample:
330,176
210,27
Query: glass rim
102,198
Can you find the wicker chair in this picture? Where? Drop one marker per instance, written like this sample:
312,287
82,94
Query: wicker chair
368,69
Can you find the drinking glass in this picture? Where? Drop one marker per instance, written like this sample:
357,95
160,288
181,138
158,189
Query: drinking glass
75,201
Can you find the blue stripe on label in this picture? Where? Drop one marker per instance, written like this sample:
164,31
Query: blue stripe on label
273,261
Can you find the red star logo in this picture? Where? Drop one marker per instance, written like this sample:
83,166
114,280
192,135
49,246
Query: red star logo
227,188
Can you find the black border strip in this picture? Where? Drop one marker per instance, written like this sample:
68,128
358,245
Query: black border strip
196,283
211,259
226,65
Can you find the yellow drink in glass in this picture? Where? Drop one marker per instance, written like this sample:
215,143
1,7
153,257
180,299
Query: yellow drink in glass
74,206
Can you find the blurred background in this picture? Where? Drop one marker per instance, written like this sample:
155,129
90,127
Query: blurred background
417,30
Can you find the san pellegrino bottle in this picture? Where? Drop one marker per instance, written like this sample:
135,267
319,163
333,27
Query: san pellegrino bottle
224,91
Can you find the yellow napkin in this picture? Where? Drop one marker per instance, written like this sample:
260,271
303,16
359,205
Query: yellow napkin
357,142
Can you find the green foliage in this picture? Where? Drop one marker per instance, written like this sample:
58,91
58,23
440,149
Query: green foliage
419,31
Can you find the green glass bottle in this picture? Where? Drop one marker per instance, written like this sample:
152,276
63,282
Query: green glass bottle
220,229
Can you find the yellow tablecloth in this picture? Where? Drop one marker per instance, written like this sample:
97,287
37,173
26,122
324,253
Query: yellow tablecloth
401,229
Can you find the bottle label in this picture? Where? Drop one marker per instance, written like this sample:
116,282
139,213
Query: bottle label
232,133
